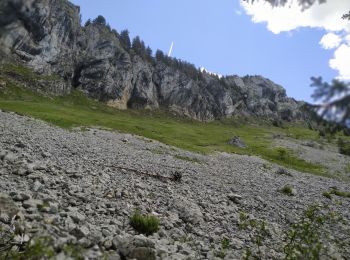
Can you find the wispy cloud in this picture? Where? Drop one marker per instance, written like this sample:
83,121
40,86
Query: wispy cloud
238,12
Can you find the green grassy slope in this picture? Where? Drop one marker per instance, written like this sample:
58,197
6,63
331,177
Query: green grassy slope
77,110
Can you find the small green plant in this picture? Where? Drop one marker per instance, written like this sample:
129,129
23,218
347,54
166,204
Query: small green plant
185,239
267,166
347,168
225,243
243,220
38,248
221,253
282,153
303,239
260,232
144,224
43,206
344,146
248,254
74,251
339,193
287,190
327,194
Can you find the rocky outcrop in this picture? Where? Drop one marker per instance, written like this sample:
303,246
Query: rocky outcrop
47,36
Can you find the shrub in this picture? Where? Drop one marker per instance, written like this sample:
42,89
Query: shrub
304,237
344,147
328,195
282,153
287,190
144,224
38,248
258,231
346,131
225,243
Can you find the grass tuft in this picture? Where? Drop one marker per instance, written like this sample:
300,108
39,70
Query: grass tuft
328,195
287,190
144,224
339,193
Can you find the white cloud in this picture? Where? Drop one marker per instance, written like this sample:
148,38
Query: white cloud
290,17
325,16
341,61
330,41
347,38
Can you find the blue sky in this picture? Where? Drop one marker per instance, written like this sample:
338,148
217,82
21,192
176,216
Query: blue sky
221,37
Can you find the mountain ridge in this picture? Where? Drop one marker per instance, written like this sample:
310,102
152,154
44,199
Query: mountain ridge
47,36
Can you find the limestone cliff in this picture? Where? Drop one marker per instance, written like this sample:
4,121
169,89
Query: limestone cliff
47,36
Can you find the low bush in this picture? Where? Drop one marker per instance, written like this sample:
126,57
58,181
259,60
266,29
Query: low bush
258,231
327,194
304,239
344,147
287,190
144,224
282,153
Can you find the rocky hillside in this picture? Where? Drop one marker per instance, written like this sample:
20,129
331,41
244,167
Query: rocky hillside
47,36
80,188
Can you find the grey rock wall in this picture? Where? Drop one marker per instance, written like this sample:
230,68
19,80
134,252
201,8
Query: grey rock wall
47,36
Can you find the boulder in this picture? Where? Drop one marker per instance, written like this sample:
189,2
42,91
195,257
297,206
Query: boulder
237,141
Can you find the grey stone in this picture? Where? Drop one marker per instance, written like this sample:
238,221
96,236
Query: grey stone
80,232
10,157
236,198
137,247
21,197
77,217
237,141
32,203
188,211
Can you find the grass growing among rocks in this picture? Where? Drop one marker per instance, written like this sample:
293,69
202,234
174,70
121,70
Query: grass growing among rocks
75,110
287,190
144,224
305,238
339,193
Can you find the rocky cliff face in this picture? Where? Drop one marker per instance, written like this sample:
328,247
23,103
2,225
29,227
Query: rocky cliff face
47,36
